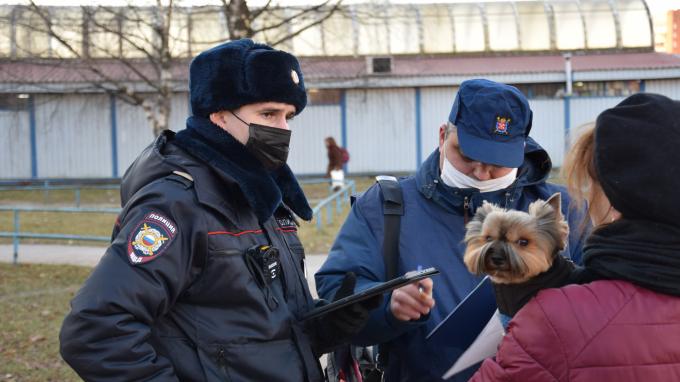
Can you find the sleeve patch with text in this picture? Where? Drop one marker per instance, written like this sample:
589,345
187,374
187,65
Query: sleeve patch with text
150,238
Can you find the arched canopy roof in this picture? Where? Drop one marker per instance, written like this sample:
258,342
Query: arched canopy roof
524,26
354,30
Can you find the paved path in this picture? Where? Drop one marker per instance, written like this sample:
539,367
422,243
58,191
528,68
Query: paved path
89,256
53,254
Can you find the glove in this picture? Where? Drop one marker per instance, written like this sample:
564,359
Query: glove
349,320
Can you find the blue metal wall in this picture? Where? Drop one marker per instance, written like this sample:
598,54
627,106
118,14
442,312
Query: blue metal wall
385,130
15,144
435,108
72,136
669,88
310,128
381,130
548,127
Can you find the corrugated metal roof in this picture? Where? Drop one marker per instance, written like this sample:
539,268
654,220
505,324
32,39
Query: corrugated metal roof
420,66
320,70
69,71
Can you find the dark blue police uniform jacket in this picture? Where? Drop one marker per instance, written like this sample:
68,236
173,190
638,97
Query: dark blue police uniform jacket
173,297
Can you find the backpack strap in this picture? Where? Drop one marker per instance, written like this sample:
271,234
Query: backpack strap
393,209
345,359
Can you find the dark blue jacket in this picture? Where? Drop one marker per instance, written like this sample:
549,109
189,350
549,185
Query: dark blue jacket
432,231
197,311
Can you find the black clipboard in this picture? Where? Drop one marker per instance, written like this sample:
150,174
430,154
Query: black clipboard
407,278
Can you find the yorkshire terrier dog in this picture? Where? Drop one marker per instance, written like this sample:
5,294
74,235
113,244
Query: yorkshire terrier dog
519,250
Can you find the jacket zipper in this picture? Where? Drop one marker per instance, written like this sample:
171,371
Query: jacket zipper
291,258
222,362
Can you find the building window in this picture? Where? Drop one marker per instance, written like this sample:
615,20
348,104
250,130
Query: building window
382,65
13,102
541,91
580,89
323,96
605,89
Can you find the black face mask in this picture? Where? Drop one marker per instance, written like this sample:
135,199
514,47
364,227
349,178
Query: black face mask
270,145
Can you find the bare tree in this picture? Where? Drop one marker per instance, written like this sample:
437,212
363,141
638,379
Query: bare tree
241,20
149,42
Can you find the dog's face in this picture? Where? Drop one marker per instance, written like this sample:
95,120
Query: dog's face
514,246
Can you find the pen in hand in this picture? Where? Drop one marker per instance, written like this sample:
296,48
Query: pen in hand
421,289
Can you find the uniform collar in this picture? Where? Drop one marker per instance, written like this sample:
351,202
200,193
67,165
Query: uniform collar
233,164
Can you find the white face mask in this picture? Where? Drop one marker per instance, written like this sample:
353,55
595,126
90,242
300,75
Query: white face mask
454,178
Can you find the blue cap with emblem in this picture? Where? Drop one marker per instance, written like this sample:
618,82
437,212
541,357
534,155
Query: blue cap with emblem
493,121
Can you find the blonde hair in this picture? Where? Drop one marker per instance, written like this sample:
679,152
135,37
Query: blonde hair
579,165
579,170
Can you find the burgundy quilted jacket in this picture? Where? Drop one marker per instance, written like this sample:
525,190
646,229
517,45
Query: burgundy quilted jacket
603,331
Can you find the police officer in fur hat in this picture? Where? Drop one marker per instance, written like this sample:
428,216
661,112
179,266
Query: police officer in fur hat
204,277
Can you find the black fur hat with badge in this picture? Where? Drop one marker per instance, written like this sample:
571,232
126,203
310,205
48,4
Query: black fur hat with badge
242,72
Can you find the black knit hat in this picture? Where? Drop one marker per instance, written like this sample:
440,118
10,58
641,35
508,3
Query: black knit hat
242,72
637,157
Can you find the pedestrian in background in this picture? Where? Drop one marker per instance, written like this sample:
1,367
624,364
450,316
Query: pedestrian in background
337,157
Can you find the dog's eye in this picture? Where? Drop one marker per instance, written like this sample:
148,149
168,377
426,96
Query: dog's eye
489,238
523,242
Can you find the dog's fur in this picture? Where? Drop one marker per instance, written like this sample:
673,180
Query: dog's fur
515,246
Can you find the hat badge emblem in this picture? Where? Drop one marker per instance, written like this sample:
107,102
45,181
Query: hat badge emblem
295,77
502,125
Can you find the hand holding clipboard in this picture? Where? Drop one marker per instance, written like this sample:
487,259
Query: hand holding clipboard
379,289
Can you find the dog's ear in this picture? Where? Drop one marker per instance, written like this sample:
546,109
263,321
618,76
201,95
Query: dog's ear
551,208
549,214
474,226
555,201
483,211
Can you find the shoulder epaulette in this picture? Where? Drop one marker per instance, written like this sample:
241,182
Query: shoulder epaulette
181,177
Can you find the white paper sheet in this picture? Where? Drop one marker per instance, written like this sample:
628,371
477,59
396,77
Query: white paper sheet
484,346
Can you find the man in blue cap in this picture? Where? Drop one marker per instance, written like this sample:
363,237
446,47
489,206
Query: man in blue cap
204,277
484,154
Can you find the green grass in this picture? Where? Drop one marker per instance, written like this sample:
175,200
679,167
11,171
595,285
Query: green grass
90,197
319,241
33,302
315,240
100,224
35,298
89,224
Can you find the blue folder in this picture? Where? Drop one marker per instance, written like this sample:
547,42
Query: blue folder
462,326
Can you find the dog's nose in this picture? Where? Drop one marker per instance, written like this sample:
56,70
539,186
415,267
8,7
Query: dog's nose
498,259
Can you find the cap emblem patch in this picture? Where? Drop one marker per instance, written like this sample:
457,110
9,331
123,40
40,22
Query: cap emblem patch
295,77
151,237
502,125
